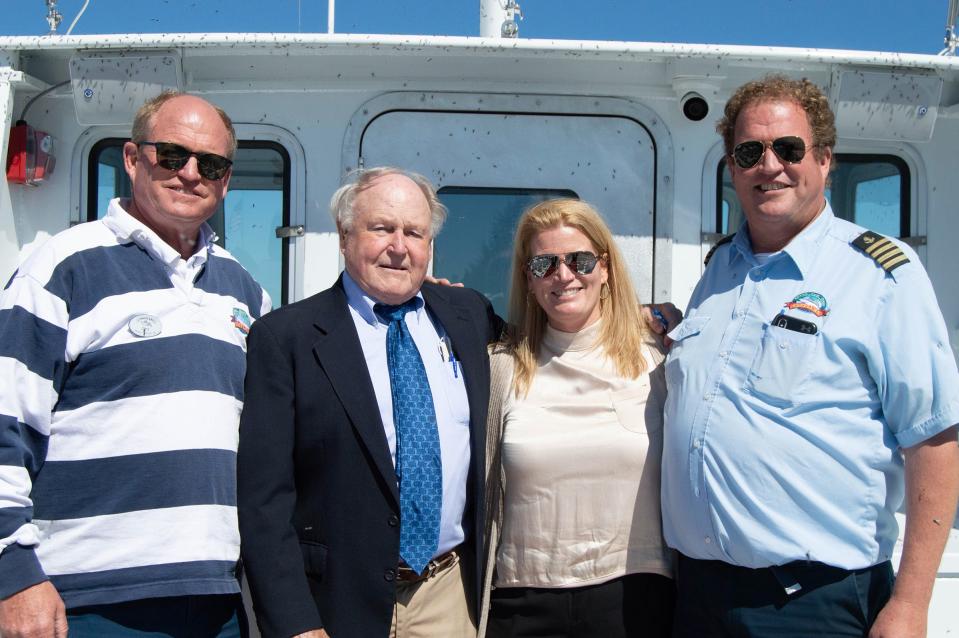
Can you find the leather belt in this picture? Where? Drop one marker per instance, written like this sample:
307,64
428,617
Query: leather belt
406,574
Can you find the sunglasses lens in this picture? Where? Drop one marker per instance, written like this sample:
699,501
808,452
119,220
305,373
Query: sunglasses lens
542,265
212,166
171,156
790,149
748,154
582,262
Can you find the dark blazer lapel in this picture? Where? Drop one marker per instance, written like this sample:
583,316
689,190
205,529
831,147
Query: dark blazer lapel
338,351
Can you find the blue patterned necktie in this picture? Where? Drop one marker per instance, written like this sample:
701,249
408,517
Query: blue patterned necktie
419,468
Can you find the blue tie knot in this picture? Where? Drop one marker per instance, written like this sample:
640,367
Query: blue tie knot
390,314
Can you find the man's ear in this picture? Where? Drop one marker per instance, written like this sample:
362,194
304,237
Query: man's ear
225,180
130,153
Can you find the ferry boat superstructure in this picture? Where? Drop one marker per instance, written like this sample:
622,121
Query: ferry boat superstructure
496,123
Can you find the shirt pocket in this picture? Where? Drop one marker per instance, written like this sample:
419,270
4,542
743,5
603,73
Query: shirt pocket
455,391
781,365
684,337
634,410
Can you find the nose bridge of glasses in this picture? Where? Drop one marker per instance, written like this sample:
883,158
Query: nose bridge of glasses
770,156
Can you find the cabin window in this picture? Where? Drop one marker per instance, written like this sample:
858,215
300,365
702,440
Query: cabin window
476,244
869,190
257,203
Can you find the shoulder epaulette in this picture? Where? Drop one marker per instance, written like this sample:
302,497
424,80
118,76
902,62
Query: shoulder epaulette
724,240
886,253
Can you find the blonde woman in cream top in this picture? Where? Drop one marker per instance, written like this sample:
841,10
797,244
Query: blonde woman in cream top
574,534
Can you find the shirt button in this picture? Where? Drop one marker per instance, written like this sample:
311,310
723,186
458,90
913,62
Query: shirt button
708,540
740,313
389,575
394,520
696,492
723,354
696,444
707,396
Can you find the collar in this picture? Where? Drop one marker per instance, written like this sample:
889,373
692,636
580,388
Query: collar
585,339
129,229
802,249
363,304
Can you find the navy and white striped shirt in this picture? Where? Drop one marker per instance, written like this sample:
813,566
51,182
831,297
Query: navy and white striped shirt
123,366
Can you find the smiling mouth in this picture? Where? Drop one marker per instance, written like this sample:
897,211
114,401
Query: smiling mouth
566,293
772,187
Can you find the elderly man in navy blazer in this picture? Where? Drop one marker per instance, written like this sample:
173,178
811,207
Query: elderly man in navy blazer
362,436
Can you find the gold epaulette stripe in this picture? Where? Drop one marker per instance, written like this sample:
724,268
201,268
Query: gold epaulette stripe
887,254
890,262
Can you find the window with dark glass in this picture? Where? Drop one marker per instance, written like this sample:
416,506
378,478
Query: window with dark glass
476,244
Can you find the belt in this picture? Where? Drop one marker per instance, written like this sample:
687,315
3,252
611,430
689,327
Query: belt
792,577
406,574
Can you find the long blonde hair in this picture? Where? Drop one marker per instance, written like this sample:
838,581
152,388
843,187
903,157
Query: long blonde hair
623,328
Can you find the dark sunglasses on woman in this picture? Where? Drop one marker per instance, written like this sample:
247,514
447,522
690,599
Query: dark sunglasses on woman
174,157
582,262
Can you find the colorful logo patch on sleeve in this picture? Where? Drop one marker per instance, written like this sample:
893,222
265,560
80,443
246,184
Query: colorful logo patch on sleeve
810,302
241,321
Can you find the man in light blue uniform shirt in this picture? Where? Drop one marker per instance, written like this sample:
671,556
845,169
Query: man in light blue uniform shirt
812,389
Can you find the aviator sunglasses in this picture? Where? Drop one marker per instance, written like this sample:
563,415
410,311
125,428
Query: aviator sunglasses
174,157
790,149
582,262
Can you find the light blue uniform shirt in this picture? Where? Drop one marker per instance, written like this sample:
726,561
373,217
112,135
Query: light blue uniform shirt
782,446
449,398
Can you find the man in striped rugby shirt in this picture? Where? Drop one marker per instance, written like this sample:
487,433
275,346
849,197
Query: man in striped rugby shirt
123,342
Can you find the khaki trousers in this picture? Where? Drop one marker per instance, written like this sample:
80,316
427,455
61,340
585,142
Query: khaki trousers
437,607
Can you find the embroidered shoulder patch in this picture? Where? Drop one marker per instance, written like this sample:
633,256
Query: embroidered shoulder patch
887,254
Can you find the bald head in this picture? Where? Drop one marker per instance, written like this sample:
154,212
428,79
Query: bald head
145,118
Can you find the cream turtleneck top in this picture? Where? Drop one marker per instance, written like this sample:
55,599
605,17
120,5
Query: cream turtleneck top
581,458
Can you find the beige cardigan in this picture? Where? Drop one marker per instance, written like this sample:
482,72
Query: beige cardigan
501,379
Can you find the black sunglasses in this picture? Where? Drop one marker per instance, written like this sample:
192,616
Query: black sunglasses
790,149
582,262
174,157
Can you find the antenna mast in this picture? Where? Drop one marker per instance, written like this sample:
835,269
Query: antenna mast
952,40
54,17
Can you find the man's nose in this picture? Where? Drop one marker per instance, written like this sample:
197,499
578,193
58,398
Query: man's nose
771,163
398,243
190,170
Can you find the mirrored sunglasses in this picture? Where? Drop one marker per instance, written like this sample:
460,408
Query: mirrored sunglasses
174,157
790,149
582,262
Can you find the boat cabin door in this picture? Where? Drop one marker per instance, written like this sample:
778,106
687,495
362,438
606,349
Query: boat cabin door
491,156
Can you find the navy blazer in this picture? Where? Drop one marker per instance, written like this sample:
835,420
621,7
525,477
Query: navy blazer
317,495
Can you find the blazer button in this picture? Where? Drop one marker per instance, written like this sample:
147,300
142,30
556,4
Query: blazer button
394,520
389,575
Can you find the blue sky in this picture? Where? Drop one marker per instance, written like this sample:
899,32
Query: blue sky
914,26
